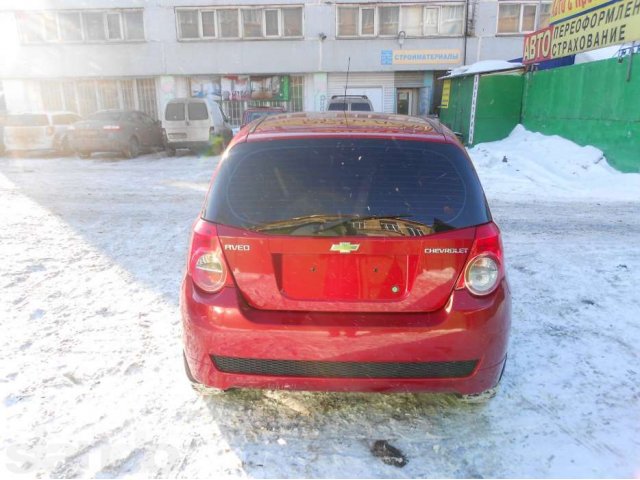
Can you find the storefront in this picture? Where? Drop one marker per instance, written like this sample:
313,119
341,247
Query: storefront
85,96
236,93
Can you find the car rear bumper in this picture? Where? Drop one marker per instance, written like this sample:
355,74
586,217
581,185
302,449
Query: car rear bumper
112,143
460,348
192,145
44,143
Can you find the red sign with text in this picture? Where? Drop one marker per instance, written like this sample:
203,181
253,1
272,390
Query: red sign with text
537,46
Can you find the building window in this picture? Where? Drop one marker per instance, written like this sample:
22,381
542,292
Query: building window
233,23
188,24
431,16
93,26
31,27
417,20
347,22
367,22
451,20
70,27
86,97
251,23
412,20
292,20
80,26
50,27
114,27
134,25
208,19
272,23
389,19
521,17
229,23
545,15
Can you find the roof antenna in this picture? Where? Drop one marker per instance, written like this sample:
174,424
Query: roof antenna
344,105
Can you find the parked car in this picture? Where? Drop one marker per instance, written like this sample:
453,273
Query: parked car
3,117
194,124
253,113
129,132
47,131
346,252
350,103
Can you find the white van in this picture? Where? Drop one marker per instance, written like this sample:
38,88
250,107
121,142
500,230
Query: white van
195,124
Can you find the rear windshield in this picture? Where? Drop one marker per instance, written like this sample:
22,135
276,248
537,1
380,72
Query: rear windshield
64,119
360,107
337,107
251,116
106,116
27,120
337,187
198,111
174,112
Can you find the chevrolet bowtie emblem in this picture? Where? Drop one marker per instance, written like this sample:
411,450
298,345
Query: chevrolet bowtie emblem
345,247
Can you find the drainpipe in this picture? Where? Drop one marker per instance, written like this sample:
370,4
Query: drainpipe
465,32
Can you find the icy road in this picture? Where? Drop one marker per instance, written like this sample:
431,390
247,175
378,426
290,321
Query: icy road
91,378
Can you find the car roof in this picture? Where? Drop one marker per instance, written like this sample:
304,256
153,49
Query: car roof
264,107
187,99
345,124
354,97
43,112
117,110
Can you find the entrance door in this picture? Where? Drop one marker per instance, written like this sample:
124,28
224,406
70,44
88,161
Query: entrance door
407,101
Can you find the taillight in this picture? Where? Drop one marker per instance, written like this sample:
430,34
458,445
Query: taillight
164,133
111,127
207,266
485,265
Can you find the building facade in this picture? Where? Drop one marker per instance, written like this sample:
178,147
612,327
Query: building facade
87,55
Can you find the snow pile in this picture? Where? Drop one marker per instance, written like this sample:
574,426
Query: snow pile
533,165
483,66
605,53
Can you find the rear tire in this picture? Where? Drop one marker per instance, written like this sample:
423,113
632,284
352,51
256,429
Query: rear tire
65,149
171,152
133,148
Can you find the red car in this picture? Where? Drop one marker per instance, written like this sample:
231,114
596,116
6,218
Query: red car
346,252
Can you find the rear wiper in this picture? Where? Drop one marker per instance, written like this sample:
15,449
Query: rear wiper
356,218
440,226
297,221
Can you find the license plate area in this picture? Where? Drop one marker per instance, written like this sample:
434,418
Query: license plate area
342,277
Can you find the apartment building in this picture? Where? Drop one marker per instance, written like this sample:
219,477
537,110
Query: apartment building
86,55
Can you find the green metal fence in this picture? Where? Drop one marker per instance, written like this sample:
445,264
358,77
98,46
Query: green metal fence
591,104
494,111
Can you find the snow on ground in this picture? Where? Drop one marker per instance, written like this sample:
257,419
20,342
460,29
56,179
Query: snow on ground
91,380
528,165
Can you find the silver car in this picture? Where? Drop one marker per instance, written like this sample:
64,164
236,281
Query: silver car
39,131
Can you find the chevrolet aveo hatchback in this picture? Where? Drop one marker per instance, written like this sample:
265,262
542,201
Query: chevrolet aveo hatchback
345,252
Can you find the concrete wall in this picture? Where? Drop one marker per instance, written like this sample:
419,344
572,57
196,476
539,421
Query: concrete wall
486,44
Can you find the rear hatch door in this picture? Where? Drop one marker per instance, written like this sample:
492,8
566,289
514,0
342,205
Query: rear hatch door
371,225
